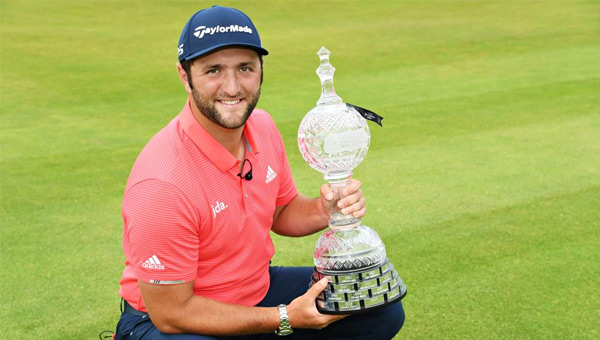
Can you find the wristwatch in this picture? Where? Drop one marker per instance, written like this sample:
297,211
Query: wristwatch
284,322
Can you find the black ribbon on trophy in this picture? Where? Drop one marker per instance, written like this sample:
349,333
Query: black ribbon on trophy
367,114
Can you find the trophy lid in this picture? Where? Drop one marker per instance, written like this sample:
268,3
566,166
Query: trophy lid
325,73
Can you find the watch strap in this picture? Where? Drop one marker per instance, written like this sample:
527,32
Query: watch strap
284,322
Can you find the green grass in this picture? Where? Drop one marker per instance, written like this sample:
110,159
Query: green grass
484,182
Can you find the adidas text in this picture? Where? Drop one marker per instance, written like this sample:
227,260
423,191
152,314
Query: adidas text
153,263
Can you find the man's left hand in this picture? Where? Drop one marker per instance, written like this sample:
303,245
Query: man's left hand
351,202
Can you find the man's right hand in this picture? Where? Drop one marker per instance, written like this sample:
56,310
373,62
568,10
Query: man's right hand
303,312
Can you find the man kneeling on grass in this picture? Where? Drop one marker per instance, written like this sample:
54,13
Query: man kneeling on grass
196,232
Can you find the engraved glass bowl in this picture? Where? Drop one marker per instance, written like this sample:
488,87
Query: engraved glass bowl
348,249
333,139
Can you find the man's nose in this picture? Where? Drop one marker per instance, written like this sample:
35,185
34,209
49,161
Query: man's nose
231,84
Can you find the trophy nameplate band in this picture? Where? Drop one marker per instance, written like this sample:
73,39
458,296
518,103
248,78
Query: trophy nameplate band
362,294
353,287
354,306
353,276
359,290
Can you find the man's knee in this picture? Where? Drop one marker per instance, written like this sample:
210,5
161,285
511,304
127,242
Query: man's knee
392,320
381,324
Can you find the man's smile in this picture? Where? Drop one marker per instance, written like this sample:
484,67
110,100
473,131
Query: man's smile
230,102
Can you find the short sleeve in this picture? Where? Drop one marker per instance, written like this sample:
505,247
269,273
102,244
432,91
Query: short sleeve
161,233
287,186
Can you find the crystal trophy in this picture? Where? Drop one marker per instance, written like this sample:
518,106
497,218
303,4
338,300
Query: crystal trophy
334,138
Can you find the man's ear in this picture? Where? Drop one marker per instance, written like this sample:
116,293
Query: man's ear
184,78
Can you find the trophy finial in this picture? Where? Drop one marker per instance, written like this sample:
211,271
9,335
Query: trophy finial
323,52
325,73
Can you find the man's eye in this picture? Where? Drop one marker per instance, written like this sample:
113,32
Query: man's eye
212,71
246,69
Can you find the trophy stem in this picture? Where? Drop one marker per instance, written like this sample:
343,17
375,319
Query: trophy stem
339,220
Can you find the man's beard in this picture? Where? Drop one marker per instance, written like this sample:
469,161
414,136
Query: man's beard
208,109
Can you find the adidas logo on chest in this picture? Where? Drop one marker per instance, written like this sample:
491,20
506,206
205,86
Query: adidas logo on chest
271,174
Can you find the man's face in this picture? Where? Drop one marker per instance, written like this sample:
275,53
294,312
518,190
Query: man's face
226,85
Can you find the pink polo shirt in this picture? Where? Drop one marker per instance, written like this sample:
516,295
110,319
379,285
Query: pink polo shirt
187,216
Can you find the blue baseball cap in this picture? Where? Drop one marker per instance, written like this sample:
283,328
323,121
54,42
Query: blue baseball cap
217,27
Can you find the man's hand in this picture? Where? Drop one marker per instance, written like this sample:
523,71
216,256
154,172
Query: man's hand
351,201
304,216
303,312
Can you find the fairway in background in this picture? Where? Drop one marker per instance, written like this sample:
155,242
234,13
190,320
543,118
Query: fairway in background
484,182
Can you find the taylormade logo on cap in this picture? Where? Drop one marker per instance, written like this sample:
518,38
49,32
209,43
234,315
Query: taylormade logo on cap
200,31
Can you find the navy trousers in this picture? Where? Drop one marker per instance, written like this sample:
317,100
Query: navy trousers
287,283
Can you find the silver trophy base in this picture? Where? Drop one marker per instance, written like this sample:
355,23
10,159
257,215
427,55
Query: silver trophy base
359,290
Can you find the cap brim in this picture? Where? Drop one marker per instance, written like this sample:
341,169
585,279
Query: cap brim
259,50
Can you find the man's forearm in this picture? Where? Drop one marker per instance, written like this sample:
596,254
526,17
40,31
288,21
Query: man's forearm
199,315
302,216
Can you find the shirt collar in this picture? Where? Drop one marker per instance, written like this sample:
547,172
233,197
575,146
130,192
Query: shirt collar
215,152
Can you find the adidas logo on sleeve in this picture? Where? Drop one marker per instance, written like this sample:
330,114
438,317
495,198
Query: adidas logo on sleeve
153,263
271,174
